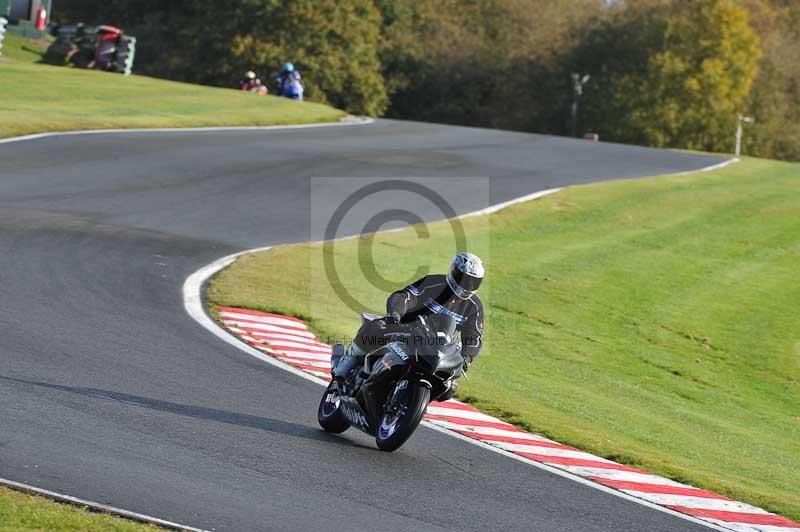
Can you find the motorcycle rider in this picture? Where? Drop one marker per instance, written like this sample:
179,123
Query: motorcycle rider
453,294
290,82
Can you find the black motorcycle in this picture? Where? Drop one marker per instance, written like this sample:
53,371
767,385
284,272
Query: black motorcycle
406,367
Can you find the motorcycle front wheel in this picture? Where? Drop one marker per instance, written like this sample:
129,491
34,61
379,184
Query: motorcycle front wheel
397,426
329,414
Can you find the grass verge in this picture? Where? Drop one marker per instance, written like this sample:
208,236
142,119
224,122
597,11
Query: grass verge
21,512
38,98
650,321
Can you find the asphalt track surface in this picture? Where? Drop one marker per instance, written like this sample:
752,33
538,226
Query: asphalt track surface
110,392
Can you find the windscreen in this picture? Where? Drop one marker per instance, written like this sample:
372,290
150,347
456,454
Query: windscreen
444,327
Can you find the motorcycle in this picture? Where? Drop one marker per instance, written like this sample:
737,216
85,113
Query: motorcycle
291,88
411,365
294,90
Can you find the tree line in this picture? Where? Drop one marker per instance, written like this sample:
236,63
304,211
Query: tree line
665,73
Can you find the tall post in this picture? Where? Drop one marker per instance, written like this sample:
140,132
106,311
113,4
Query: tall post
738,150
740,132
577,91
574,117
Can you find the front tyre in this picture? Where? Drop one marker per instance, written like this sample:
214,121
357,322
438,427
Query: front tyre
329,414
397,426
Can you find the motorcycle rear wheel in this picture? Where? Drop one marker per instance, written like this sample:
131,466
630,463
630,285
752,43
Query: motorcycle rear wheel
329,414
394,429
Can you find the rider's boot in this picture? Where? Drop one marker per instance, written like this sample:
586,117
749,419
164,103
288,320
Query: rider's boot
450,393
348,362
343,368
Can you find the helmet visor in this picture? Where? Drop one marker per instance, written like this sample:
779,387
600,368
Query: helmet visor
469,283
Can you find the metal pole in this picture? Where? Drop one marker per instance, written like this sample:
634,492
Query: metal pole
577,91
575,117
740,132
738,149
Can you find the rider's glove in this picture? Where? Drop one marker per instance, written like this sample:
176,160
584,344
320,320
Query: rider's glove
394,318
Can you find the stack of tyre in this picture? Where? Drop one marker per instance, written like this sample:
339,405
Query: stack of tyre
126,52
101,48
3,23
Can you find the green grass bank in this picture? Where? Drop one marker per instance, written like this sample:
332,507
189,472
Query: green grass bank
650,321
20,512
38,98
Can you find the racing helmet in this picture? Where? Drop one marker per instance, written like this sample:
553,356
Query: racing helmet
250,74
465,274
288,68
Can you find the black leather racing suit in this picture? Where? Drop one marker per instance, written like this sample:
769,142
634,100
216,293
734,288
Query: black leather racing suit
429,295
432,295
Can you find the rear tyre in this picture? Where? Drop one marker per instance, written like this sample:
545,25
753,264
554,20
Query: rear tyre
395,428
329,414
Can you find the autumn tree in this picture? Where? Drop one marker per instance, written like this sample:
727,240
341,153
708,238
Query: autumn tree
775,99
497,63
671,74
333,42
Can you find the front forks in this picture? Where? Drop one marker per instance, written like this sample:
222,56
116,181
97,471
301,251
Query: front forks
397,399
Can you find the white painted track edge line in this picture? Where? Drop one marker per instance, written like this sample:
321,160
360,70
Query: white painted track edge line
193,303
480,212
717,166
104,508
542,193
522,199
358,121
